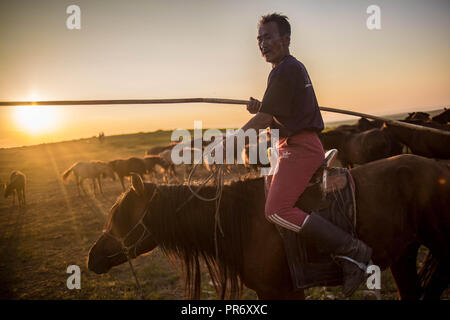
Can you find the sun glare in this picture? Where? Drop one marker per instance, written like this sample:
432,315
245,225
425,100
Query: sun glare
36,119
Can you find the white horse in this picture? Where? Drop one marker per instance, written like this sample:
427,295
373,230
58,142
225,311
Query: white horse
94,170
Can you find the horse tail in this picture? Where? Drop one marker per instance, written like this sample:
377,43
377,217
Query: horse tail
66,173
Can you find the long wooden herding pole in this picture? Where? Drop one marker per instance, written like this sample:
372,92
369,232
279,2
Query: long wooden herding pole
204,100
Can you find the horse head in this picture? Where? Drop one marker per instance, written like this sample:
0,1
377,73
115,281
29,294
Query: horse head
108,172
125,235
8,189
112,164
443,117
334,138
417,116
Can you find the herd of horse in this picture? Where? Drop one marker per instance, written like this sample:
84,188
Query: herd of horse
402,203
368,141
156,159
361,143
96,170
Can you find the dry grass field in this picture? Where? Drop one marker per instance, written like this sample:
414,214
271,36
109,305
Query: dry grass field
57,228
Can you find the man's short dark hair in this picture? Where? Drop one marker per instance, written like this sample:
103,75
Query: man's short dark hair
282,22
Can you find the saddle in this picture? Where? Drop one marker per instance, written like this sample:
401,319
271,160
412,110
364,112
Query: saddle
330,194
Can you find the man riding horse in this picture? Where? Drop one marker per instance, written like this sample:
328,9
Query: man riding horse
290,105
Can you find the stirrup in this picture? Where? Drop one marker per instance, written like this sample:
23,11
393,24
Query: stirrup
360,265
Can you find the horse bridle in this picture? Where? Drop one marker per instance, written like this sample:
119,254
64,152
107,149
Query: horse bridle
126,250
122,240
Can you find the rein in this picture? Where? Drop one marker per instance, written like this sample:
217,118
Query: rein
218,175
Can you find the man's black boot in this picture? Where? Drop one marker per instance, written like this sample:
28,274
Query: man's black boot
352,254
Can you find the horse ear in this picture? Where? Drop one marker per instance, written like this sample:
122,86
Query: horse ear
137,184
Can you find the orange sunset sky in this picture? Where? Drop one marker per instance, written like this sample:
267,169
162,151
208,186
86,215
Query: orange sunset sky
178,49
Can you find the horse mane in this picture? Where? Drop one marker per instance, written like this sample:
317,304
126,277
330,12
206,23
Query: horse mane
188,230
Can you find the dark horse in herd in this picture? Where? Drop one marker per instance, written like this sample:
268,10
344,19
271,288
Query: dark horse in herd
402,202
368,140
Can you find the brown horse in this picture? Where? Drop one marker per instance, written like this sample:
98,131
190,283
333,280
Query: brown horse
360,147
125,167
402,202
94,170
16,186
427,144
364,124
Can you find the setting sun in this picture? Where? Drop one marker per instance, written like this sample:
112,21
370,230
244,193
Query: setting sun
36,119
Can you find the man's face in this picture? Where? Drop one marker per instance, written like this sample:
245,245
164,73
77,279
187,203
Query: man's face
273,46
